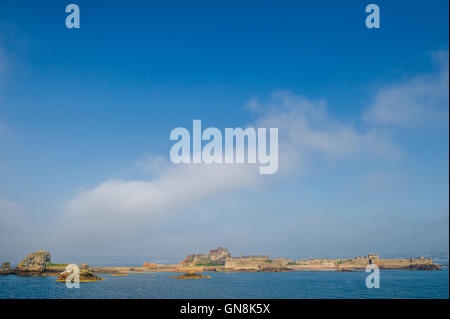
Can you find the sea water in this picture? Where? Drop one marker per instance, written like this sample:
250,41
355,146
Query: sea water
300,284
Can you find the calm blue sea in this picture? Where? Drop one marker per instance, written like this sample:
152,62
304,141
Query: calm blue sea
302,284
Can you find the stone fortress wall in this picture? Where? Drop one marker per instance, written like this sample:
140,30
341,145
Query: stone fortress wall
222,258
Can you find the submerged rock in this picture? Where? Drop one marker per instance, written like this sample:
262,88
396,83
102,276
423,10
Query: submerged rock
344,270
190,276
275,269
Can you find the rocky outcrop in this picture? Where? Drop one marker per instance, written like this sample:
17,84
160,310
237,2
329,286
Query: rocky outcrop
422,267
6,269
190,276
85,276
34,263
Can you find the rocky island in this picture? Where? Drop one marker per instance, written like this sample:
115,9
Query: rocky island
33,264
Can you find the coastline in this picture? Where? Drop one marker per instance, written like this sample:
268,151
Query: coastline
220,260
197,269
177,268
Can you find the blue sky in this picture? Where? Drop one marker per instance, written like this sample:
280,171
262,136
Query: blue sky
80,108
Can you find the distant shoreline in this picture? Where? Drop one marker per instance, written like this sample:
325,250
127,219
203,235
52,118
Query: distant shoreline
220,260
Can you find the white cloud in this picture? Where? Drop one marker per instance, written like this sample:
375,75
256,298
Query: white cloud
418,101
306,131
178,188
